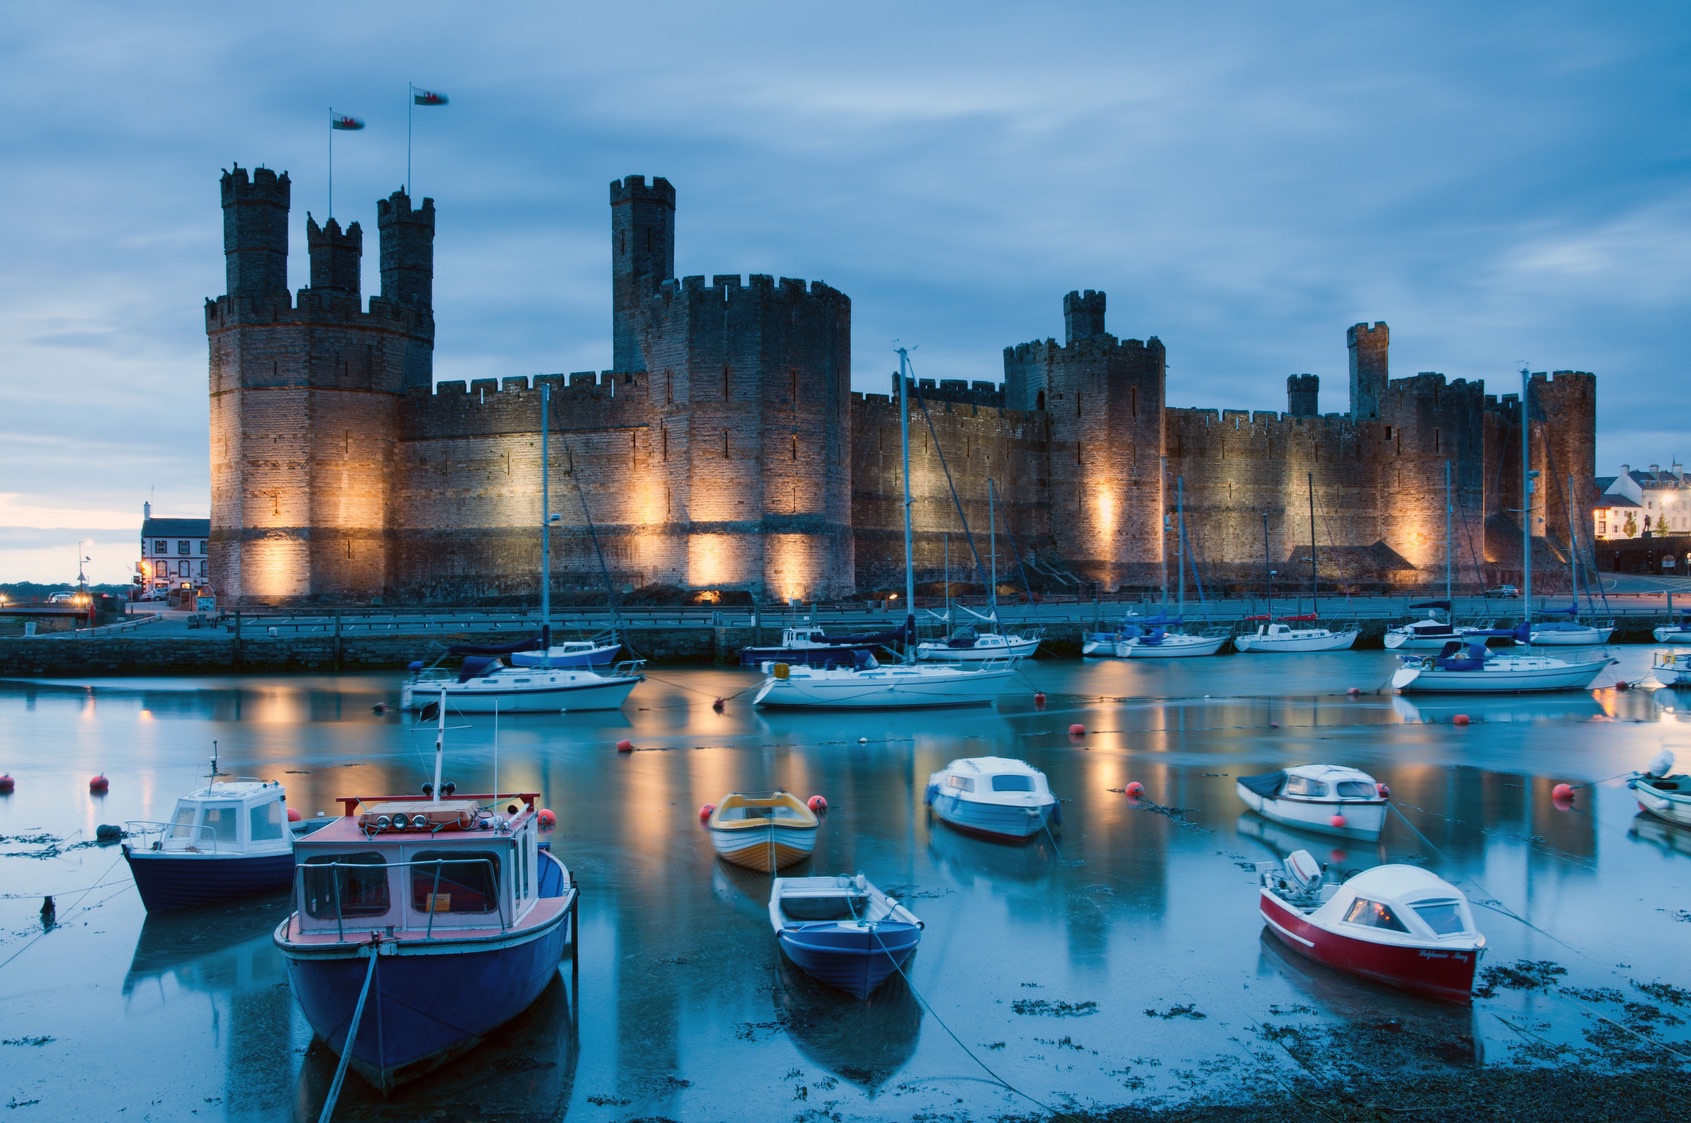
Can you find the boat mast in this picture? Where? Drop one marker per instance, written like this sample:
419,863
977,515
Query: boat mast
1449,510
992,550
1180,538
1267,574
545,528
1162,492
909,538
1314,580
1526,504
439,741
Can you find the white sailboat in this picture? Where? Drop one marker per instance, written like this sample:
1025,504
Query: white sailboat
1572,632
972,643
485,685
867,684
1279,636
1478,670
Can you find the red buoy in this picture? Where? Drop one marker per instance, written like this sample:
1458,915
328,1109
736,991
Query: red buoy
1460,719
1562,802
705,809
1384,790
718,704
546,819
1039,699
1337,856
625,746
1622,684
1338,822
817,804
1134,789
294,815
1077,730
1562,791
7,783
99,784
1354,691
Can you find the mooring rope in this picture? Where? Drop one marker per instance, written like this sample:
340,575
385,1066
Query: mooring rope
351,1034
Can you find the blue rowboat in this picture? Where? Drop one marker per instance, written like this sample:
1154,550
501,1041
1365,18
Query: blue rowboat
842,930
993,797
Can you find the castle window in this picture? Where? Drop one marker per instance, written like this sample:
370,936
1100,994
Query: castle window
725,444
663,435
668,387
634,449
724,381
1388,432
794,372
795,446
1133,400
1039,401
1435,440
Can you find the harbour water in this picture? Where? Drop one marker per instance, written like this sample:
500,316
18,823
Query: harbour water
1120,960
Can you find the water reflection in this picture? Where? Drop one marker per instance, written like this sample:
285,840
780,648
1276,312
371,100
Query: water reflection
1664,836
994,865
1350,855
863,1041
1499,708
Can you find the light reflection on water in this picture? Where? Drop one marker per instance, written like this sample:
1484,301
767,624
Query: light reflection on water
684,1002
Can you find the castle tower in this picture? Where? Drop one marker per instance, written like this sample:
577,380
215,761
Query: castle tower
642,258
1103,399
1368,373
1303,392
305,398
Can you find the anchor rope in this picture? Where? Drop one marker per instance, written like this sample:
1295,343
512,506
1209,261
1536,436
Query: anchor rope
346,1049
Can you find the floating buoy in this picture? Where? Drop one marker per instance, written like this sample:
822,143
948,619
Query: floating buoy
718,704
863,740
99,784
625,746
817,804
1562,802
1562,791
705,809
1134,789
1354,691
293,815
1384,790
1460,719
107,833
379,708
1077,730
1337,822
1337,856
1039,699
7,784
1622,684
1274,725
546,819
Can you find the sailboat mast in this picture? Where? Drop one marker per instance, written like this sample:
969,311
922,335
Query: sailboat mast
909,537
1526,500
1267,574
992,548
1162,486
439,742
1449,511
545,523
1314,579
1180,537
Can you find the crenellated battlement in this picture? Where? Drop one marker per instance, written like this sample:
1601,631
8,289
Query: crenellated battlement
635,189
729,288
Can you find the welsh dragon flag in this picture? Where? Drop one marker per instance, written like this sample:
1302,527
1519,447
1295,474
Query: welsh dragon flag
347,123
427,97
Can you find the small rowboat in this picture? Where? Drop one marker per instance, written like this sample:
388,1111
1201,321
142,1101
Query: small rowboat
763,833
1398,925
1662,795
842,930
1328,798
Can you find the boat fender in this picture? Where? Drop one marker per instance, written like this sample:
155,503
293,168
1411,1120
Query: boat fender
1134,789
1338,822
107,833
928,796
1039,699
1562,791
780,670
817,804
546,819
625,746
99,784
705,809
7,784
1057,813
1460,719
1384,790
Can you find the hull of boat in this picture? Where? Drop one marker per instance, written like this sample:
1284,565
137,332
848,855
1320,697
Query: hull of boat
1575,676
990,820
602,656
427,1004
841,656
174,880
1363,820
467,698
1169,647
1661,805
1437,972
855,960
1675,674
1266,645
767,847
1672,634
1572,637
940,653
885,688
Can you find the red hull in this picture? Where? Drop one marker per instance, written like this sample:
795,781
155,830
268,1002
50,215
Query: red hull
1445,974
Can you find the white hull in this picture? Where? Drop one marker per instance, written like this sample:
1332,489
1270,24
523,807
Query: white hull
904,686
1298,640
1673,808
1571,637
1011,647
1672,634
1168,647
1362,820
516,690
1673,670
1502,675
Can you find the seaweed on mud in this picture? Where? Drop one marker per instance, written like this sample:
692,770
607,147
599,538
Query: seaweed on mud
1665,992
758,1031
1642,1017
608,1101
1284,1011
1523,974
1054,1009
31,1042
1186,1010
1179,816
1594,994
1064,1042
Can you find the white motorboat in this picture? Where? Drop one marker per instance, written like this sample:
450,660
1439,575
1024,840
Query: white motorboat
1477,670
971,645
571,653
1661,794
1672,668
993,796
484,686
1570,633
1432,632
1397,924
811,644
1328,798
1280,637
1679,632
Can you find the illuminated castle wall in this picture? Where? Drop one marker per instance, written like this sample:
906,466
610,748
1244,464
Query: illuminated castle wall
727,451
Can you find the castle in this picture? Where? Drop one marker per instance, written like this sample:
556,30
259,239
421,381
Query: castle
727,451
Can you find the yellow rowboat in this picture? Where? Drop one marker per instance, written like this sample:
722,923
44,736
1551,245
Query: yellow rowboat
763,832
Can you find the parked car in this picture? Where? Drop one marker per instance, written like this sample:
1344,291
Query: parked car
1502,591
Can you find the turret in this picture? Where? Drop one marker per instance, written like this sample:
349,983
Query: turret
335,256
642,258
255,233
1083,316
1303,393
407,251
1368,372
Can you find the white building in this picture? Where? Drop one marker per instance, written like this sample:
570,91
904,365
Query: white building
1650,504
173,553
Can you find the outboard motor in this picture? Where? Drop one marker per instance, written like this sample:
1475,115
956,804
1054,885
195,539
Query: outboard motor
1304,873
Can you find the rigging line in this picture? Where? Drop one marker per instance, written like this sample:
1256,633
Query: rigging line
598,551
77,904
967,533
346,1049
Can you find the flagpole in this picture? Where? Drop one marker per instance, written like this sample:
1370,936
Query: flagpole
410,111
331,161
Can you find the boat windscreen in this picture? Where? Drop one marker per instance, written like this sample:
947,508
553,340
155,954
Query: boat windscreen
822,908
1356,789
455,881
1011,782
1268,784
1443,917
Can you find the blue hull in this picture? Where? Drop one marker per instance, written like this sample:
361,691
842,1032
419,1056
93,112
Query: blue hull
177,881
990,820
424,1009
854,961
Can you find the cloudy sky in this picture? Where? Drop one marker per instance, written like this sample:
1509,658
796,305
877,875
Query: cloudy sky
1499,182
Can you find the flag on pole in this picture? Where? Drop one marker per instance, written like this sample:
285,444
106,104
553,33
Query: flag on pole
427,97
346,123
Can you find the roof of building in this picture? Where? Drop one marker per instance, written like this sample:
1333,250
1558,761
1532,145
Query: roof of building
176,528
1613,501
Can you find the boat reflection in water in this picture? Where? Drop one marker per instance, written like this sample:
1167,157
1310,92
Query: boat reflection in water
525,1070
864,1041
1661,834
971,860
1497,708
1377,1020
1345,856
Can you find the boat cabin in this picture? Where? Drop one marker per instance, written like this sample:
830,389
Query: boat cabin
413,867
1405,900
1325,783
244,816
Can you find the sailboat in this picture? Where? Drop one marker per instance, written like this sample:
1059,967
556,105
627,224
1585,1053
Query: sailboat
866,683
483,684
1572,632
972,644
1478,670
1432,633
1160,636
1279,636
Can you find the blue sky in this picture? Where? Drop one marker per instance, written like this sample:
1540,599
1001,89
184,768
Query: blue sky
1499,183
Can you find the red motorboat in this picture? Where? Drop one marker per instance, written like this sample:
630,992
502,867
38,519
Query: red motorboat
1398,925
